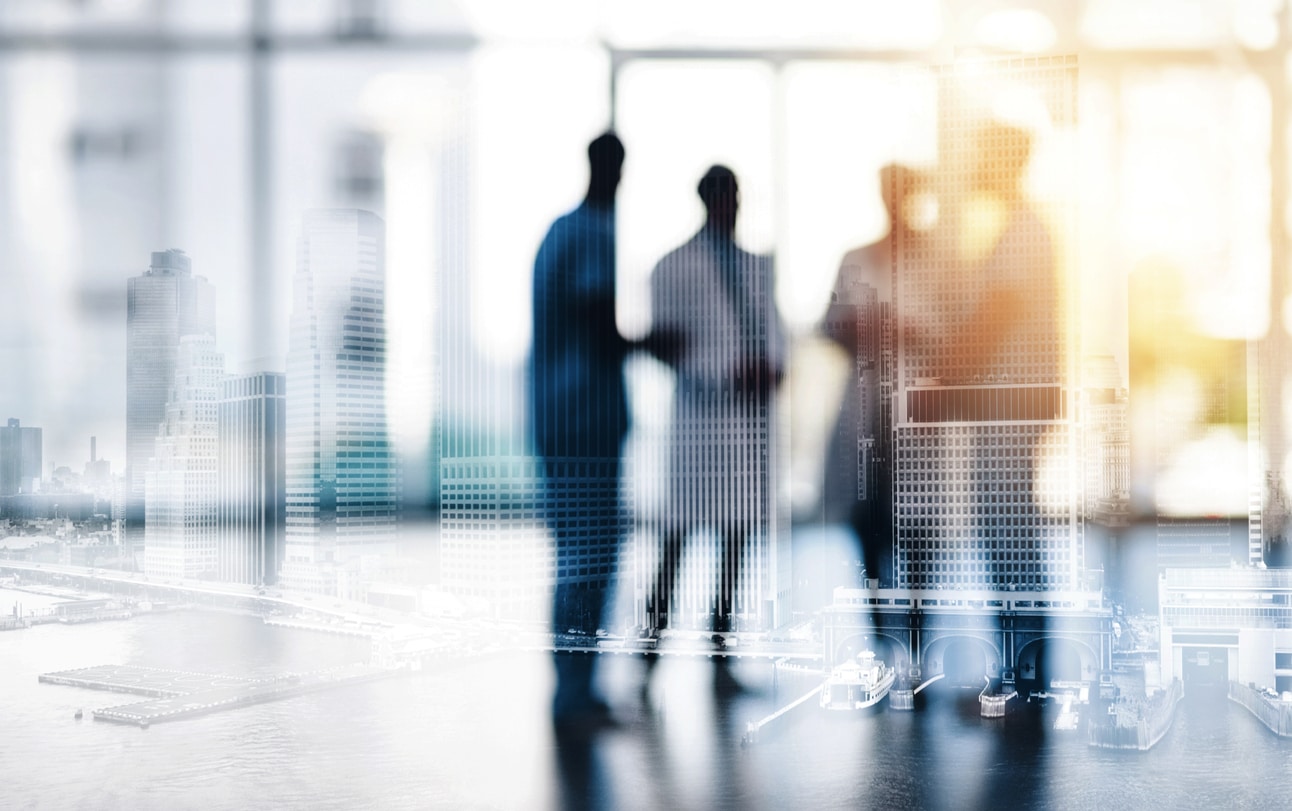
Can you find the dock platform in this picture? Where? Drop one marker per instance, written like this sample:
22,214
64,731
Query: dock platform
1274,713
143,681
176,694
155,711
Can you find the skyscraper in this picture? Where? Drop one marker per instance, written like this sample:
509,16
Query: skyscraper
180,486
97,471
1106,442
164,304
20,459
494,548
987,494
858,481
252,478
342,476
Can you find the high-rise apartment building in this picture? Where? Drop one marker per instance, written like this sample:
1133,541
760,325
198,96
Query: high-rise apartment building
164,304
180,486
988,495
20,459
342,475
252,477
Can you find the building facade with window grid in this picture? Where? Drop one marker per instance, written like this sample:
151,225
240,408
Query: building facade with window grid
180,486
1242,616
342,474
164,304
252,419
988,489
494,550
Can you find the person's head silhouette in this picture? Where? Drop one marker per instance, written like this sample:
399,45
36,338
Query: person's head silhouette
1003,153
721,198
897,185
605,167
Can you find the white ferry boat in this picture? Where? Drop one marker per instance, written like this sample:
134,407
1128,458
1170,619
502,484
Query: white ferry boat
858,683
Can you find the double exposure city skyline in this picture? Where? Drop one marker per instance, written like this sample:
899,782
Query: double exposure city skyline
483,406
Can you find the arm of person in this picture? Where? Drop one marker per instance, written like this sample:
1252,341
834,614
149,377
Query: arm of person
593,288
668,337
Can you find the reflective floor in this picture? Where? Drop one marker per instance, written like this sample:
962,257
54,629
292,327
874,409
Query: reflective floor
477,734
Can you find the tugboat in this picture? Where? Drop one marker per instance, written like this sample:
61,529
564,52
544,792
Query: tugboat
857,684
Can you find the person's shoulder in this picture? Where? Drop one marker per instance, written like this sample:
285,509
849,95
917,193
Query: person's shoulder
1027,222
581,219
860,255
558,229
677,259
858,266
863,257
570,220
760,262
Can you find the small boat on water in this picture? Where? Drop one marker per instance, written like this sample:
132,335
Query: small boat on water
858,683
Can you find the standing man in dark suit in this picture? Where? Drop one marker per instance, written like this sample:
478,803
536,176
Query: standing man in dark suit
579,418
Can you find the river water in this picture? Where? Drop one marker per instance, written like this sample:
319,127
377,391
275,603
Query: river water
475,736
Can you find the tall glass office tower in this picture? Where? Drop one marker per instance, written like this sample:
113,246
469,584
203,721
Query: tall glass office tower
252,477
20,458
180,485
988,490
164,304
342,476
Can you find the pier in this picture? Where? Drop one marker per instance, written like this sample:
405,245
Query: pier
368,630
70,612
994,704
176,694
146,713
1139,724
1274,713
754,727
143,681
904,698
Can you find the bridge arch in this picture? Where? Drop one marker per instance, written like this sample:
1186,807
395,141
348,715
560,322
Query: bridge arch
964,659
1057,657
889,649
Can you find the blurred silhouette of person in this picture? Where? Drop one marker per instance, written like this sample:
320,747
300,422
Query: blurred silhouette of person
579,415
584,781
1013,330
1008,350
714,301
858,487
1014,326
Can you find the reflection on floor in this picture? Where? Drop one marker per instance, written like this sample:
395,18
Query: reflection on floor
680,748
